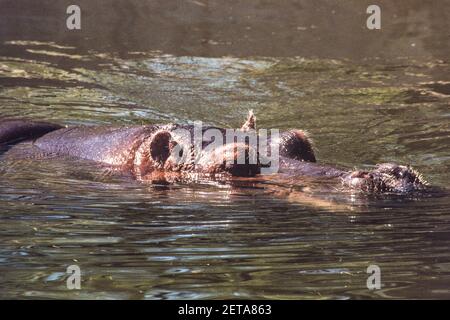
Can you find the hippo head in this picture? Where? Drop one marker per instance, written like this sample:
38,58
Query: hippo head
232,158
386,177
172,149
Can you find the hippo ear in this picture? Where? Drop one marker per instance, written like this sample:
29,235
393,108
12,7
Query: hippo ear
295,144
160,147
250,124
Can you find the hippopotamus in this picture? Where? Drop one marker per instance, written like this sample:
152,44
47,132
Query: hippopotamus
145,150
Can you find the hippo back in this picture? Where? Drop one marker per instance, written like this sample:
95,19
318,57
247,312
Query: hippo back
13,131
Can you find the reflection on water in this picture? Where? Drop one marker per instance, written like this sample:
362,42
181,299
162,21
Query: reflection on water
219,240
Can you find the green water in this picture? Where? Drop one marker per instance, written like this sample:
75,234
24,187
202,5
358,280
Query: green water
217,240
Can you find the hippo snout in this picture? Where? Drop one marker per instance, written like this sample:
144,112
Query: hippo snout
386,177
401,178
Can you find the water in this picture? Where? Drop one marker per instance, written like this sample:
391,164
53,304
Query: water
210,239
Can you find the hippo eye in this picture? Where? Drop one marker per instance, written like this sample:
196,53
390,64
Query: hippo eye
160,147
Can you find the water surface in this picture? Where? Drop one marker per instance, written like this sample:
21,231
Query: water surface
214,240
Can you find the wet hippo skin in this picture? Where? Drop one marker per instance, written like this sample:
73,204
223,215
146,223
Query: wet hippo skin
15,130
146,149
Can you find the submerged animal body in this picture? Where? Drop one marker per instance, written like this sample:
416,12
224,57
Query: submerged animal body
171,148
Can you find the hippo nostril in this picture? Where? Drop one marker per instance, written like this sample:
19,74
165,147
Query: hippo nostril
398,172
160,147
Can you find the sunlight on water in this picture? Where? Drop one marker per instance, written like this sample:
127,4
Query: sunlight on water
213,240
